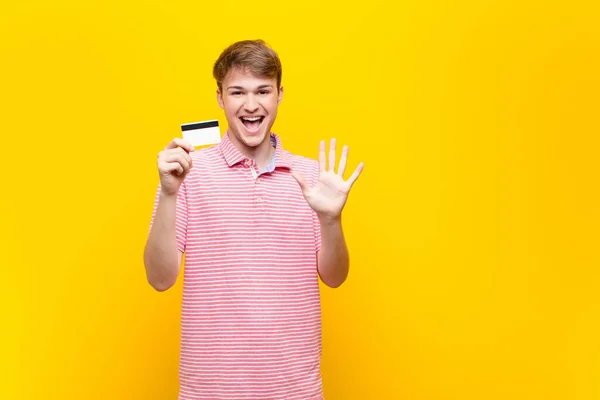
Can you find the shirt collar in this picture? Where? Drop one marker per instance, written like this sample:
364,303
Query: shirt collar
233,156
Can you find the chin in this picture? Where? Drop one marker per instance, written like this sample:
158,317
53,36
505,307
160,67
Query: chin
252,139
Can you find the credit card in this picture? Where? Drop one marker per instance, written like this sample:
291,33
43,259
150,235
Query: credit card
201,133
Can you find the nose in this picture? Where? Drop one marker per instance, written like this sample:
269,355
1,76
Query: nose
251,104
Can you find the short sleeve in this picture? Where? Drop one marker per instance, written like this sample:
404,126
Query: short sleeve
181,215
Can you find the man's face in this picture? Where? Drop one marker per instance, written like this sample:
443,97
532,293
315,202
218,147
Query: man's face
250,104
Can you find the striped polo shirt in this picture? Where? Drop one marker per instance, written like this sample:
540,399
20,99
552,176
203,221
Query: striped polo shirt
251,316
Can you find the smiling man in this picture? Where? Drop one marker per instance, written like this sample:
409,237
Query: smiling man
258,226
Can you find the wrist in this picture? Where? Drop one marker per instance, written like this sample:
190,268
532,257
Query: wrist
166,196
327,219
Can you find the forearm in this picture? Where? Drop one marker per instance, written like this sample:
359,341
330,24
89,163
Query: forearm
333,259
161,256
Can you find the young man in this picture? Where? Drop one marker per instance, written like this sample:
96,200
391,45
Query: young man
258,226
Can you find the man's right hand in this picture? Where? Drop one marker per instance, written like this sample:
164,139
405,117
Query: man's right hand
174,162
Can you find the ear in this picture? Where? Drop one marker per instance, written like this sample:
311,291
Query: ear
220,99
280,95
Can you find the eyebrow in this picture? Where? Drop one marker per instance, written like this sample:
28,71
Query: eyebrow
260,87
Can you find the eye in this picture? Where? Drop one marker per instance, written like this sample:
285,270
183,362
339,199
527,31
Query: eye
236,93
263,92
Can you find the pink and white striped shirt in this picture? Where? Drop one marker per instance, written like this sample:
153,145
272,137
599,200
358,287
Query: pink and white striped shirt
251,315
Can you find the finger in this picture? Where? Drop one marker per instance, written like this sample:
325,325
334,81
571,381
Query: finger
176,155
322,156
178,142
178,152
331,154
343,158
300,179
356,174
174,168
185,155
178,158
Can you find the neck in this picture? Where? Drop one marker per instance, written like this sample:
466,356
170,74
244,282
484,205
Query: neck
261,154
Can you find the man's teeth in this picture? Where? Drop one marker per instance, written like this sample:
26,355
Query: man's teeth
251,118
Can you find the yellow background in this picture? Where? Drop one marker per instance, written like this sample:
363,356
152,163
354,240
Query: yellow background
473,229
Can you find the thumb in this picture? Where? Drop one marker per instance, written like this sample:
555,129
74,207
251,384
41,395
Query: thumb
300,179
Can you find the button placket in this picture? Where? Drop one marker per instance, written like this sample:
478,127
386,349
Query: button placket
251,165
259,195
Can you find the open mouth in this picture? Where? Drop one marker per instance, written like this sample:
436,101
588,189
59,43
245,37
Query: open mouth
252,123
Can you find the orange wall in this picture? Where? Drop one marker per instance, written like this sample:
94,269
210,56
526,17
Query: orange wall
473,229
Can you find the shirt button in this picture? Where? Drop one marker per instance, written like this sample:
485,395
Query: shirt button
259,199
257,180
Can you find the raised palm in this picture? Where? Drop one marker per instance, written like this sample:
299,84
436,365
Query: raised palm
329,194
